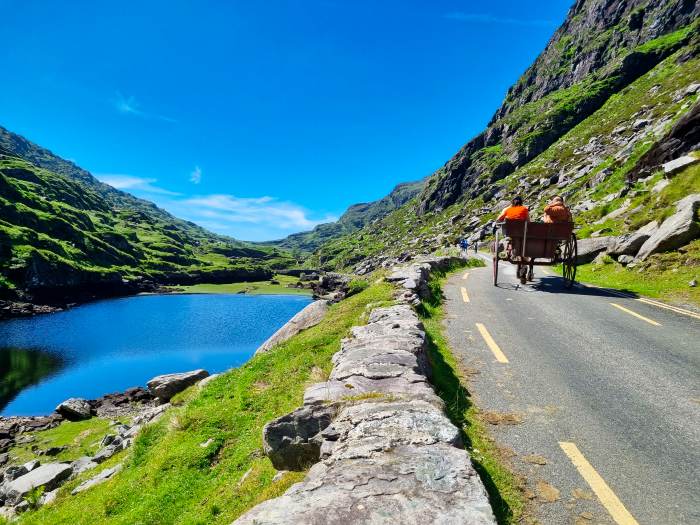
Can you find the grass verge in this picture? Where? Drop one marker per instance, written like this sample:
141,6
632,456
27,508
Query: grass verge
203,462
504,488
278,285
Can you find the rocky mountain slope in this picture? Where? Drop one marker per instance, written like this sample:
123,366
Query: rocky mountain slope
354,218
612,96
65,235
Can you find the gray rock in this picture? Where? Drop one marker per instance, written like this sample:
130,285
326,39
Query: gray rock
47,498
4,458
631,243
310,316
83,464
32,465
678,164
110,450
166,386
98,479
75,409
14,472
409,484
693,283
659,186
289,440
676,231
48,476
589,248
625,259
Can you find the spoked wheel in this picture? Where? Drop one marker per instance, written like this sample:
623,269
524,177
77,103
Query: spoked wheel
496,245
569,261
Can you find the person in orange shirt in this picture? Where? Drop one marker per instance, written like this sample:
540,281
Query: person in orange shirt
515,212
556,211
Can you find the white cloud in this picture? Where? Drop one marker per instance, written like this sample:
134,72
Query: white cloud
248,218
129,182
129,106
492,19
196,175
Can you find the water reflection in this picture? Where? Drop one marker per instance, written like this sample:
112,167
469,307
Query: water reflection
21,368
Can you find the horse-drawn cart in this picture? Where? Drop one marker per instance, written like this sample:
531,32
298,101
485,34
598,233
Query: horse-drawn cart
527,244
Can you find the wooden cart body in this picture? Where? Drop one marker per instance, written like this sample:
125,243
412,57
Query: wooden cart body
531,244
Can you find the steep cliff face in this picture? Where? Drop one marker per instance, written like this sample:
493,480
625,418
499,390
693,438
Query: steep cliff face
354,218
603,46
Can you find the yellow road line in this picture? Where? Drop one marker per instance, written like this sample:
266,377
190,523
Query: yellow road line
465,296
605,494
500,356
669,307
635,314
466,274
545,272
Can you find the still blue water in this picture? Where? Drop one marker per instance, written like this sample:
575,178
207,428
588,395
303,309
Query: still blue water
112,345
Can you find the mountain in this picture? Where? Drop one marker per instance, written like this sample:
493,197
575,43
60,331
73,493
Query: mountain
64,234
609,87
354,218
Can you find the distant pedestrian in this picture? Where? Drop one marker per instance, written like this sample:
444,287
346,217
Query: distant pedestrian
464,246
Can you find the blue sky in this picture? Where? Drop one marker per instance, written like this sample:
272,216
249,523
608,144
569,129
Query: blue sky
258,119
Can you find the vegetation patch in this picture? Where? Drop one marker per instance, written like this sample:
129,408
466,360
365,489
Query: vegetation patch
203,462
505,489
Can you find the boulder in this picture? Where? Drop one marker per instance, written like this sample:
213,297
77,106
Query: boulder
75,409
96,480
82,464
631,243
47,476
625,259
678,164
589,248
676,231
14,472
166,386
310,316
289,440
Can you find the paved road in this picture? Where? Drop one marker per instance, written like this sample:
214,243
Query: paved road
593,385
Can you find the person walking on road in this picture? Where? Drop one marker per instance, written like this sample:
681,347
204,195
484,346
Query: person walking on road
463,245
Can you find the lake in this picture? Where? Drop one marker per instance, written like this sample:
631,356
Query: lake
109,346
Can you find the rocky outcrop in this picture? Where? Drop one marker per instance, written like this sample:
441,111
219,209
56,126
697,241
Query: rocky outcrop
75,409
589,248
311,315
47,477
383,447
676,231
631,243
97,480
413,278
165,386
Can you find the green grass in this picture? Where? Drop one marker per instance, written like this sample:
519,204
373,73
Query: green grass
253,288
81,438
170,479
663,276
504,487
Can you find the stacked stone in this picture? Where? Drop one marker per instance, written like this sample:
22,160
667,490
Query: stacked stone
412,279
383,449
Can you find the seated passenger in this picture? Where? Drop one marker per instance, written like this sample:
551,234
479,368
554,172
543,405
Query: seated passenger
515,212
556,211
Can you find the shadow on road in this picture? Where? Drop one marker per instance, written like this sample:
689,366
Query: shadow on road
555,284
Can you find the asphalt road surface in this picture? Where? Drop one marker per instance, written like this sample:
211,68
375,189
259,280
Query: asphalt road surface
596,395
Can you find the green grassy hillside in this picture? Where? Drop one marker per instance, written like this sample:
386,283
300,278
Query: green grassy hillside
62,232
589,165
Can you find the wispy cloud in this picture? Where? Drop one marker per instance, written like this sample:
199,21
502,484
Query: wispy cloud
129,182
129,106
248,218
485,18
228,209
196,175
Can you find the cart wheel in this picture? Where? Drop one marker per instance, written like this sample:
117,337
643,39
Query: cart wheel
569,261
496,245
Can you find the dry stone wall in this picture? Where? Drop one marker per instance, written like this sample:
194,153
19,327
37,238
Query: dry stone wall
381,446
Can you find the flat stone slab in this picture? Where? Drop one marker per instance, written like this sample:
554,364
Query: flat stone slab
166,386
678,164
48,476
310,316
408,485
